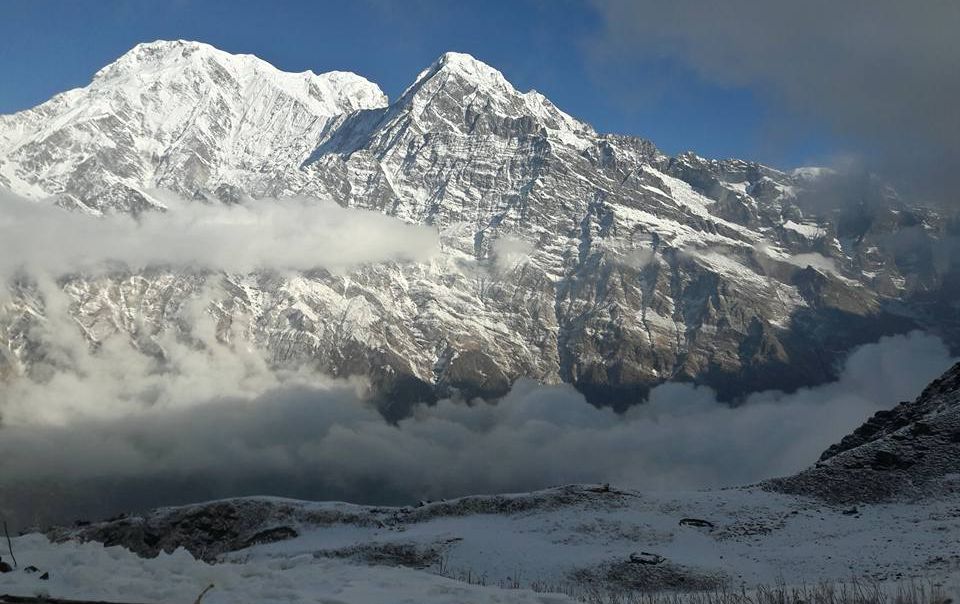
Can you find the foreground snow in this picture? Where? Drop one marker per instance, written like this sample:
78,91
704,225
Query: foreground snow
569,539
757,538
92,571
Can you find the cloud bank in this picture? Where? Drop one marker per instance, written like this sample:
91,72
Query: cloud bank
881,73
115,435
94,432
279,234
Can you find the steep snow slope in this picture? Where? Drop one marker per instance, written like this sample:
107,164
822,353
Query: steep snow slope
568,255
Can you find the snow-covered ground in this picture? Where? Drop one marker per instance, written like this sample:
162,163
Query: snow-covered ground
92,571
564,538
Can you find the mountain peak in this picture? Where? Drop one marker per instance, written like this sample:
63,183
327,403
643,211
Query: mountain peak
169,61
166,45
156,53
166,59
466,64
174,114
463,67
457,87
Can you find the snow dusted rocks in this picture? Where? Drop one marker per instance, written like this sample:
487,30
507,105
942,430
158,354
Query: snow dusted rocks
568,255
910,451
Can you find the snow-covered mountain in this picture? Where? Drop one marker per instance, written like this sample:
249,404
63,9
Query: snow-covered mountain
180,116
568,255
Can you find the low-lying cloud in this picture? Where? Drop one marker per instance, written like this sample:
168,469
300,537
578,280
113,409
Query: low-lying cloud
218,422
278,234
89,432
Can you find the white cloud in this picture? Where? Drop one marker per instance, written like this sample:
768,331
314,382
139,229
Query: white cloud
872,72
639,258
510,251
282,234
217,422
815,260
212,419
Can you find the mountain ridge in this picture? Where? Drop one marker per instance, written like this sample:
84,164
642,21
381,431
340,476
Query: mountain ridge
636,267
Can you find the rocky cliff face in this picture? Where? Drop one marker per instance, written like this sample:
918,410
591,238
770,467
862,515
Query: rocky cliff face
910,451
568,255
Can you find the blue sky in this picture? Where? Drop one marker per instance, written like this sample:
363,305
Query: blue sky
555,46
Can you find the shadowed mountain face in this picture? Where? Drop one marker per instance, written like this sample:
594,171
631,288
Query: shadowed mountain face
907,452
567,255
